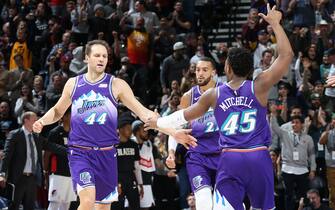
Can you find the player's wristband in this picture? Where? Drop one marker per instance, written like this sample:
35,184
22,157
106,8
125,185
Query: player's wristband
173,120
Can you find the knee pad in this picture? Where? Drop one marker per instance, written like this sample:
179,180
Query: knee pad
204,199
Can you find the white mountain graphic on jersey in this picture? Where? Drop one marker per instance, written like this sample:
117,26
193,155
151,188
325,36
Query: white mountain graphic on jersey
91,96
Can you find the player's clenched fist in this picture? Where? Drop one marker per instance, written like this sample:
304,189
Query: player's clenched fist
38,126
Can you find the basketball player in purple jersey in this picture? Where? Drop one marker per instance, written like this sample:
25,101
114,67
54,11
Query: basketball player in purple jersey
92,155
240,108
202,160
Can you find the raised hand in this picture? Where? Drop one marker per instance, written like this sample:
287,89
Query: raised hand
273,16
331,81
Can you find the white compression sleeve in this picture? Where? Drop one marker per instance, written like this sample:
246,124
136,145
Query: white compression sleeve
204,199
138,173
173,120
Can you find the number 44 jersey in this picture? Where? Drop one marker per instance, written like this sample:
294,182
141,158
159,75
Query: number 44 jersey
93,113
241,118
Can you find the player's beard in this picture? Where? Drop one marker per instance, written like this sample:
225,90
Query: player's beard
204,82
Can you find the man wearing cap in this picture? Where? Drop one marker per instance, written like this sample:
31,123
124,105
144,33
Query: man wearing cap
174,66
148,156
129,171
263,44
98,24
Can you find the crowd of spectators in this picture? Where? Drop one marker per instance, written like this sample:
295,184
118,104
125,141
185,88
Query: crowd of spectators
154,47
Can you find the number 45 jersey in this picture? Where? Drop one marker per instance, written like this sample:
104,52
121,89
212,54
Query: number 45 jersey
93,113
204,129
241,118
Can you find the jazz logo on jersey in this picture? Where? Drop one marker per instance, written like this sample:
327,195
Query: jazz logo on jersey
197,181
90,101
85,177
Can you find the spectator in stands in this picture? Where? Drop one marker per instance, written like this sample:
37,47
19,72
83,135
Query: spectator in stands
64,70
330,91
298,156
151,21
191,202
328,139
141,55
39,97
40,27
7,122
4,77
188,79
21,46
178,21
199,54
79,19
129,171
65,19
174,101
174,66
265,62
250,29
18,77
325,67
303,12
165,182
148,157
313,201
126,72
57,7
295,110
98,24
57,51
77,65
278,180
263,43
25,103
54,91
164,40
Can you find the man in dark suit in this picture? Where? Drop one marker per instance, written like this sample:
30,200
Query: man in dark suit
22,163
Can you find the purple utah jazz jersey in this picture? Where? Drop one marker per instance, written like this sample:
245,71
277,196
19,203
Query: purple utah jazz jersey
204,129
241,118
93,113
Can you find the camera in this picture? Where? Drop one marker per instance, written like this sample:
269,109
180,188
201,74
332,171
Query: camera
307,202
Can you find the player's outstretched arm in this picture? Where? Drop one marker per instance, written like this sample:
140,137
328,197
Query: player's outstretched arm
280,67
124,93
56,112
181,117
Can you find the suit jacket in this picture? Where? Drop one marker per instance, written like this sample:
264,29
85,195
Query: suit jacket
16,154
